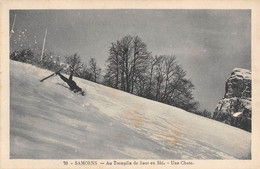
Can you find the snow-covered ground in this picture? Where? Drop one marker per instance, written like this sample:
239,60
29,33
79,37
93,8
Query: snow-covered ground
48,121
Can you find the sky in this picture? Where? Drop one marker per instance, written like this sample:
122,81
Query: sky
208,44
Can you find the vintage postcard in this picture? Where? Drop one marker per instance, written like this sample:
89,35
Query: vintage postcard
130,84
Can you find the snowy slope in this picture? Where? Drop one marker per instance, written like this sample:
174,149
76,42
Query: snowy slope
49,121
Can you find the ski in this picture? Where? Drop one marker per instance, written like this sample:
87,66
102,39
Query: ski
51,75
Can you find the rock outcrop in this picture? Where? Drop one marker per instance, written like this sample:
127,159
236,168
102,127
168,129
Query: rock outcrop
235,107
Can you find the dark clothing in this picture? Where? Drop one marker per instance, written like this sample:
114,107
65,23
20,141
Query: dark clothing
72,84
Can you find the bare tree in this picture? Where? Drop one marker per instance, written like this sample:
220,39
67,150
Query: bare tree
94,70
126,63
148,91
170,72
112,74
74,62
125,50
159,76
139,63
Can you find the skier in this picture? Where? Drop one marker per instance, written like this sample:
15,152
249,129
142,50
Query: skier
72,84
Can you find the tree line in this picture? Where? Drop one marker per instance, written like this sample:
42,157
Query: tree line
130,67
53,62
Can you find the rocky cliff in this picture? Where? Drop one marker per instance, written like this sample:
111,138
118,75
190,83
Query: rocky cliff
235,107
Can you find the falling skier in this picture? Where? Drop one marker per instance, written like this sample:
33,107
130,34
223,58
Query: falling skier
72,84
74,64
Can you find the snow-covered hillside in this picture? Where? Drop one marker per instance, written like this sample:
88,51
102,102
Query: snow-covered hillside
49,121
